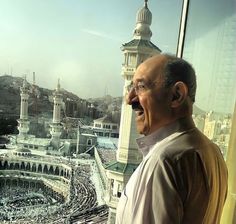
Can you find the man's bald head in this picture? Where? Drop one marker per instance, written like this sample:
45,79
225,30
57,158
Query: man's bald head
172,70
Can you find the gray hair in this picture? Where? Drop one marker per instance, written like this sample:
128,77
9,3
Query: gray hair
177,69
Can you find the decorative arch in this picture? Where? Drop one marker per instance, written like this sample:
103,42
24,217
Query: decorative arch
11,167
51,171
57,170
27,166
40,169
22,166
5,165
45,169
17,166
34,167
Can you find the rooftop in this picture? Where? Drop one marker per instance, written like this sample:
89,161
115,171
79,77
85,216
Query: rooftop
107,143
35,141
106,155
104,119
141,43
123,168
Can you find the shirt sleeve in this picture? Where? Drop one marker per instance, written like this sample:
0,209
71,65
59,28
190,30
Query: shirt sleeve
166,206
172,183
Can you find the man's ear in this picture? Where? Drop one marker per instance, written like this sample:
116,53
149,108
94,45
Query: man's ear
179,94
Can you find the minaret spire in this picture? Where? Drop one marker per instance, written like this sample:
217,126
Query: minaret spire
34,78
56,120
23,123
143,23
58,85
24,82
145,3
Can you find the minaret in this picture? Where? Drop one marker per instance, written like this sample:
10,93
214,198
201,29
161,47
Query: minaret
56,121
128,157
23,122
229,212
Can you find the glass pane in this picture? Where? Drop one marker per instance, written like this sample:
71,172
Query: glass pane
210,46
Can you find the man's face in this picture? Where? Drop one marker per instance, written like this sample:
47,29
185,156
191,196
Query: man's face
149,99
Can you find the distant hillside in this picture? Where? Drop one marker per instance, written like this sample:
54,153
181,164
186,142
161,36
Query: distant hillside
106,102
109,105
40,99
41,102
112,107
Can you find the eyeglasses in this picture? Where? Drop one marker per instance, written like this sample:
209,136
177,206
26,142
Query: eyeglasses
139,87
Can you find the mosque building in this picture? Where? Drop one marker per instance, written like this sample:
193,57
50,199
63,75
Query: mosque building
128,157
56,145
49,188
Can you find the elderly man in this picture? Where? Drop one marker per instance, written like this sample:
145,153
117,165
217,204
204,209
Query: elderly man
183,176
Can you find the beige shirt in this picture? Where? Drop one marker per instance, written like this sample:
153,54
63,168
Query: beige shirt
182,179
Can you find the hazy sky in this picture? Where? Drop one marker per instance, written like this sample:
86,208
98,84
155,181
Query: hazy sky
78,41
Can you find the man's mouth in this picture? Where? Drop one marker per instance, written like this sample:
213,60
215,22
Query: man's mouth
137,108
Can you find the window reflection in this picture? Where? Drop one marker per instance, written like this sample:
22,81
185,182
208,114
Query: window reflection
210,45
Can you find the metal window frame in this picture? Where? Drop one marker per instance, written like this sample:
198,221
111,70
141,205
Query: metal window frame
182,28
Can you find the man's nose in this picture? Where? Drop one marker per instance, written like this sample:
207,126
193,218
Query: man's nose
131,96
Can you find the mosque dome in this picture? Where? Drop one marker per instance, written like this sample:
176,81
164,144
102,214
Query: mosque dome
144,15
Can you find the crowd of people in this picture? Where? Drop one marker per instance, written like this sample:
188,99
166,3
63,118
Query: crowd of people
22,205
17,202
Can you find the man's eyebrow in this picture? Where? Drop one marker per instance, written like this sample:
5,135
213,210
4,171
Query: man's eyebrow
138,80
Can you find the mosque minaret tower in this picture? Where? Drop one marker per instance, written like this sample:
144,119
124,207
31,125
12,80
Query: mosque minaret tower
128,157
56,126
23,122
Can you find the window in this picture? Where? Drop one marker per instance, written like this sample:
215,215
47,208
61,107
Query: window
210,46
89,142
114,127
131,59
97,125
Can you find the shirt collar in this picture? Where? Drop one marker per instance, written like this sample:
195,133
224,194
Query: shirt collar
145,143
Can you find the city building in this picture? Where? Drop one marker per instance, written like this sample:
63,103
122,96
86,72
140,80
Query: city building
212,125
104,127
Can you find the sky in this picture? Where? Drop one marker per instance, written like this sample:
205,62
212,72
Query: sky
78,41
